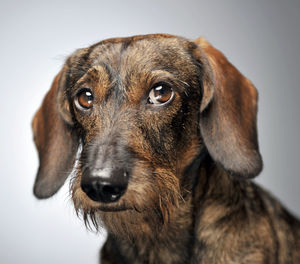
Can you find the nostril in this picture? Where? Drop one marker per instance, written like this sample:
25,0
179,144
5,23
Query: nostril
113,190
86,188
92,189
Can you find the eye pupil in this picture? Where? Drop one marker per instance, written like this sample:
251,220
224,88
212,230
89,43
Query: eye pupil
160,94
85,99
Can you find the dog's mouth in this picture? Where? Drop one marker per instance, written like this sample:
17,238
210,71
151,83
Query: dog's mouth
116,208
120,206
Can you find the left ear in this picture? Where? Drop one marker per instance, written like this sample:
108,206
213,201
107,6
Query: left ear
228,113
55,139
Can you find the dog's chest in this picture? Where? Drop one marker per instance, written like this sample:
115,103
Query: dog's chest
157,254
175,250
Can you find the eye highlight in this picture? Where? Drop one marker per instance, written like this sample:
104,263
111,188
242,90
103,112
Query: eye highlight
160,94
84,99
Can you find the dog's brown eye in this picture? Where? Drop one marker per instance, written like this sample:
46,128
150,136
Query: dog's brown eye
160,94
84,99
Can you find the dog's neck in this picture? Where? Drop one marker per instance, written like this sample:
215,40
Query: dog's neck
177,238
173,245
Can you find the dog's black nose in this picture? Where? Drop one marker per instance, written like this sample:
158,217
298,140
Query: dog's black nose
104,185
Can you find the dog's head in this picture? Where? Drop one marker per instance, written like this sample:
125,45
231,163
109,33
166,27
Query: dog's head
143,109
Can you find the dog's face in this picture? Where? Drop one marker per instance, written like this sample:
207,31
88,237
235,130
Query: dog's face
143,109
135,119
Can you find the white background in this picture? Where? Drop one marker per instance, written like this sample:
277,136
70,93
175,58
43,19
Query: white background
261,38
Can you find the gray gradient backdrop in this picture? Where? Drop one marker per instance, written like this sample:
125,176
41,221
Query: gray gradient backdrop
261,38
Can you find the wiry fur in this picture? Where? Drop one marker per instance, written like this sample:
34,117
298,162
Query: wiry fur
189,198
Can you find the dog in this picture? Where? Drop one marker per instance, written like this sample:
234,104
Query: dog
160,135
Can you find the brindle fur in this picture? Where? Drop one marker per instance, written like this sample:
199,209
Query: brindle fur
188,199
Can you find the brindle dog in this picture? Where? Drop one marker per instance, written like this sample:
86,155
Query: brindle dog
167,129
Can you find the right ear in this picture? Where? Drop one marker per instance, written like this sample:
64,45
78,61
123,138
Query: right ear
228,114
55,139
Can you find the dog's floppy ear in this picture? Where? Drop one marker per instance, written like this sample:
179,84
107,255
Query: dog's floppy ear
55,142
228,114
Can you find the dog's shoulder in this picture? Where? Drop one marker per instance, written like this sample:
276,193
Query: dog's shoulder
244,223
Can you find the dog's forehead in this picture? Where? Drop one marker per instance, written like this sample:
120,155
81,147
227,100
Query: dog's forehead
142,54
